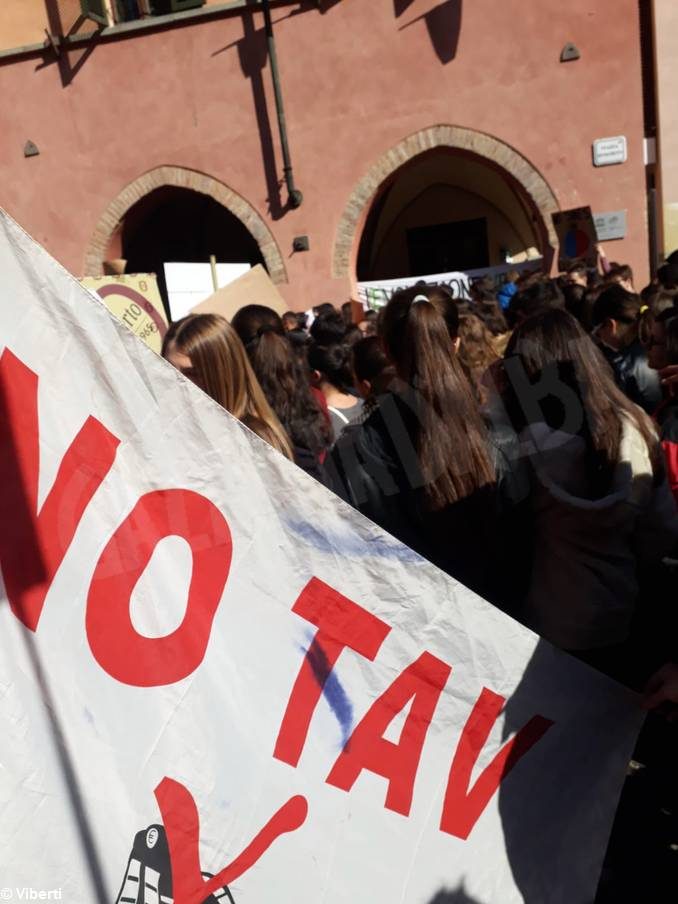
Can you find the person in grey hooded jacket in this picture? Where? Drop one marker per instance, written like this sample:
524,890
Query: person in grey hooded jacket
600,504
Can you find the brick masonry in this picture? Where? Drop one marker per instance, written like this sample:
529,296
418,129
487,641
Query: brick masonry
442,136
183,178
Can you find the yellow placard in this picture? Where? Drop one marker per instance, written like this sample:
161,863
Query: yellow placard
135,300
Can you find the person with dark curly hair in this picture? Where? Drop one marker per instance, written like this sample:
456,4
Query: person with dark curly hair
284,381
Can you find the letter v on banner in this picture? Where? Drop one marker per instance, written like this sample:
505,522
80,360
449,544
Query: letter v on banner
33,544
463,807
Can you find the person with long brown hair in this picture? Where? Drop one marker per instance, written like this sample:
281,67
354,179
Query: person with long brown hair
207,350
600,504
423,465
477,353
285,383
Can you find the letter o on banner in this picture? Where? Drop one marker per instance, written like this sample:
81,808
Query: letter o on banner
116,645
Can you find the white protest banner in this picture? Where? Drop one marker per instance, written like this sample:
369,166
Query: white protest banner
211,667
377,293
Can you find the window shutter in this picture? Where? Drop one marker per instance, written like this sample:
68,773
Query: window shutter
95,9
178,5
175,6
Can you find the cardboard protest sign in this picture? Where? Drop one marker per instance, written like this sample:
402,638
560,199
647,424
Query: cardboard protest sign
220,683
253,287
135,300
577,236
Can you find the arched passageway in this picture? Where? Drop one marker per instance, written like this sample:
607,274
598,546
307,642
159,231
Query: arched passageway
446,198
178,224
173,213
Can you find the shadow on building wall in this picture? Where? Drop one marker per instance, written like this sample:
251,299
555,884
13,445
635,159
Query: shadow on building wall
253,55
443,22
69,62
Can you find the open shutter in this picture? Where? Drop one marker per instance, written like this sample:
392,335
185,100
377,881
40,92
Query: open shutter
95,9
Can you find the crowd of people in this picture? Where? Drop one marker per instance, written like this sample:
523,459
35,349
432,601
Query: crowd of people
524,439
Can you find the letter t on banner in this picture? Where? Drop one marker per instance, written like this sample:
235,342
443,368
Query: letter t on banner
341,623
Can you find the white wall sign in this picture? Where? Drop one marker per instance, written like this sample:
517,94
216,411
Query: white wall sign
190,284
610,225
608,151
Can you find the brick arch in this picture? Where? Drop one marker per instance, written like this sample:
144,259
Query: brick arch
486,147
183,178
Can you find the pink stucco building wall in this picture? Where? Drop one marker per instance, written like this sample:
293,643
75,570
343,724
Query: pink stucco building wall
357,80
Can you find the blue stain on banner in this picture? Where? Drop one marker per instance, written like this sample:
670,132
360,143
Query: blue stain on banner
333,692
351,544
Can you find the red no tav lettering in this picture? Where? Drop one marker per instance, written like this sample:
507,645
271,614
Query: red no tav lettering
118,648
341,624
33,544
464,806
422,682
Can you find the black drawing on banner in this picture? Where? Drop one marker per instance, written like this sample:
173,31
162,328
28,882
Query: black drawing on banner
148,877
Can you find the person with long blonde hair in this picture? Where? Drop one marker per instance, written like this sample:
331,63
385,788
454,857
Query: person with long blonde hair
207,350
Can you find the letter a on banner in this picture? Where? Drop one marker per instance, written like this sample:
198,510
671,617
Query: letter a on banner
422,682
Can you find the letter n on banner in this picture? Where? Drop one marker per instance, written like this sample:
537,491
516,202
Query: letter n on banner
32,544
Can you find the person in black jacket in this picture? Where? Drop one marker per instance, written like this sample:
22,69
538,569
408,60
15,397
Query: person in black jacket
424,464
616,316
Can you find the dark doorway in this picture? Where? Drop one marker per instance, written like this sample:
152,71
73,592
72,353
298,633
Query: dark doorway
448,247
180,225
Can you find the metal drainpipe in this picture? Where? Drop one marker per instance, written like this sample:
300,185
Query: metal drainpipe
295,196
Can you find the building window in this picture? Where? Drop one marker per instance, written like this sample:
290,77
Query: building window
128,10
110,12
